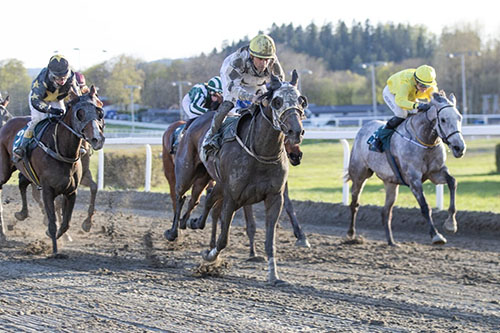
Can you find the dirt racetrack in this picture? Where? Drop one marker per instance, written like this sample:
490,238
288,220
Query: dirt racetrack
124,276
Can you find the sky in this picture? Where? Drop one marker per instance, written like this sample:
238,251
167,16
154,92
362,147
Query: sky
89,32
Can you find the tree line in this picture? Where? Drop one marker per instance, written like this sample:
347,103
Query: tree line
328,59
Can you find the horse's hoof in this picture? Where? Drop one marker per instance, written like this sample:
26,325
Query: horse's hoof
393,244
87,224
303,242
20,216
10,227
170,235
182,224
450,227
209,255
438,239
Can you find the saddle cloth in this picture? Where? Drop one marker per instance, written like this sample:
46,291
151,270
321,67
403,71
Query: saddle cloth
384,135
37,133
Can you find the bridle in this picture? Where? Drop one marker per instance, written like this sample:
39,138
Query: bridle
441,133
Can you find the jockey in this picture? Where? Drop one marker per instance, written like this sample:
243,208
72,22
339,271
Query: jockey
402,92
244,75
203,97
48,93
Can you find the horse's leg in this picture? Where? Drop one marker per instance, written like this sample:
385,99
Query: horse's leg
297,230
5,173
168,170
417,190
358,182
227,214
88,181
391,194
199,186
48,203
216,211
67,211
213,196
250,228
23,185
441,177
274,204
3,238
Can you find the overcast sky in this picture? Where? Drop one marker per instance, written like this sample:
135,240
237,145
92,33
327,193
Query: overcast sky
154,29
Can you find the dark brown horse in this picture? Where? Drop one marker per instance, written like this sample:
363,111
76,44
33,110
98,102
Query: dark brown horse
246,172
294,154
86,181
55,161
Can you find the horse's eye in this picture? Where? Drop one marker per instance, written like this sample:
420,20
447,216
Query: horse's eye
443,120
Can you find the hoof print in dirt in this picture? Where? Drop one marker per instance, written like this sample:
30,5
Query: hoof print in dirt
215,269
37,248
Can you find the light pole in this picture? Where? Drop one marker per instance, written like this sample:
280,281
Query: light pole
179,84
131,87
372,66
464,89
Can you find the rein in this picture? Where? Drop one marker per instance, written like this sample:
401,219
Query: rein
445,140
250,150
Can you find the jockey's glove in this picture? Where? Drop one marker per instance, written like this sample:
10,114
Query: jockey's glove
56,111
423,107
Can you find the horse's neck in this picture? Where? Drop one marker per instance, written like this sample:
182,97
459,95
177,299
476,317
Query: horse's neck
266,140
422,127
67,143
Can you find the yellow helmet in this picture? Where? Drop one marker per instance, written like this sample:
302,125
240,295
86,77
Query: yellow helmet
262,46
425,75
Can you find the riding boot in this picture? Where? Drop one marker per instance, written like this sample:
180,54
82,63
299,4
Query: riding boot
20,151
377,144
212,141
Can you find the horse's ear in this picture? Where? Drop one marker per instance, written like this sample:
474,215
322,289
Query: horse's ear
295,78
453,99
275,83
93,90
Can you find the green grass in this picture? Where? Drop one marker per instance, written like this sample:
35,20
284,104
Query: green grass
319,178
320,175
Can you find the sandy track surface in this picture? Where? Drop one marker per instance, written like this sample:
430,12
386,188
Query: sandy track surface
124,276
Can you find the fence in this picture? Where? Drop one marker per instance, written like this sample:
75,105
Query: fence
342,135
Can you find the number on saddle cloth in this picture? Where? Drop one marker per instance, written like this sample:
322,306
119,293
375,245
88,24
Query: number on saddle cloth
37,133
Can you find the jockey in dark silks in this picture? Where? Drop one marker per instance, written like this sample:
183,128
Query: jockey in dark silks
48,93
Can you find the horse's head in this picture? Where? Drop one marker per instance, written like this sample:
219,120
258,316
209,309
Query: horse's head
293,152
87,118
448,122
287,105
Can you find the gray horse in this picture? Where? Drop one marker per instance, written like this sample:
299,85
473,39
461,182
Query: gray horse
248,170
420,155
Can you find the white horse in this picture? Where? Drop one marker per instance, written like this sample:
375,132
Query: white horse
419,154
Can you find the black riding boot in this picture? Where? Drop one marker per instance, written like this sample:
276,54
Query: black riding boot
392,124
212,140
20,151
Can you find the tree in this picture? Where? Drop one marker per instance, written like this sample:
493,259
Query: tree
14,81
